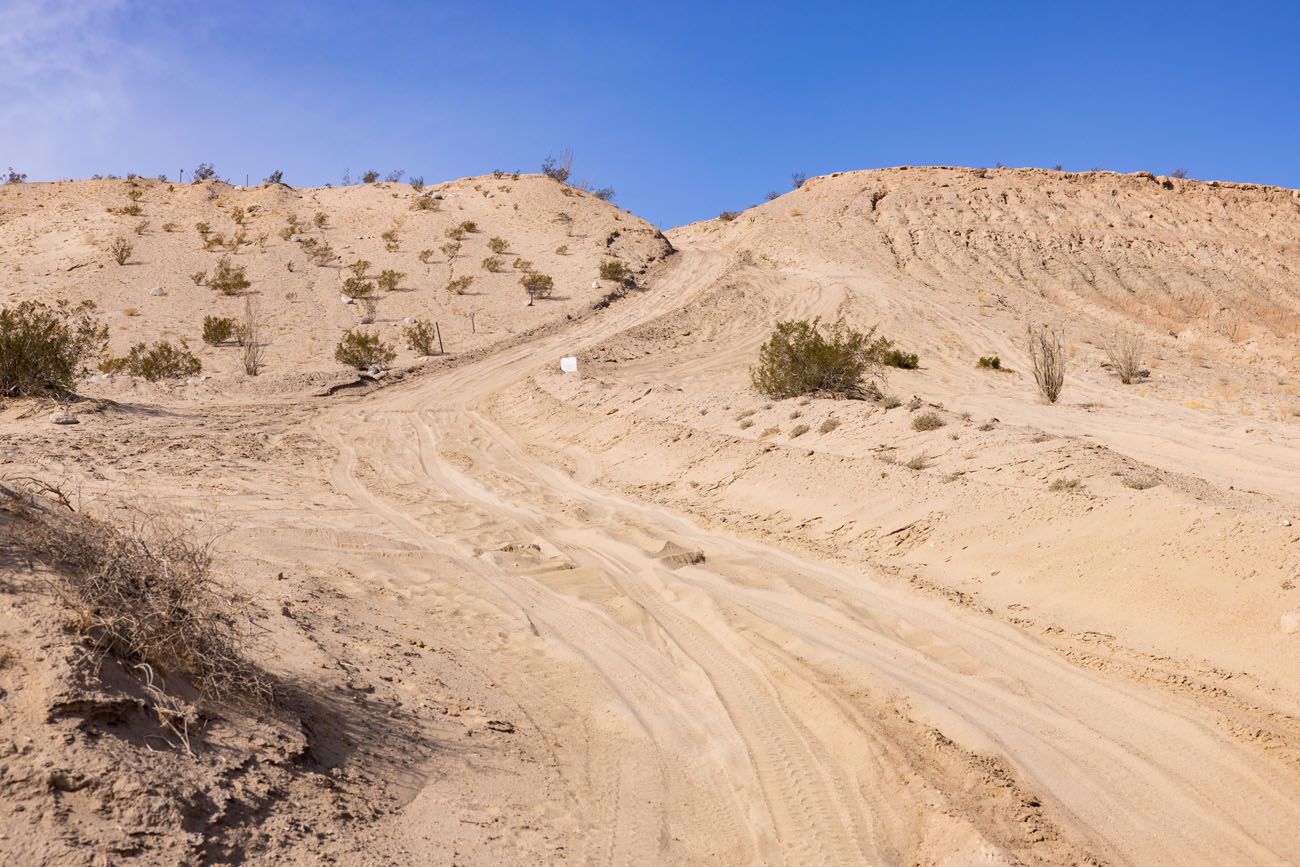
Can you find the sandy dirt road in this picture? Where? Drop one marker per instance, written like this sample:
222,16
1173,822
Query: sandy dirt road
755,706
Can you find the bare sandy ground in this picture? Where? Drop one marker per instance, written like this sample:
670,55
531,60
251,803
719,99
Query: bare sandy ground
629,616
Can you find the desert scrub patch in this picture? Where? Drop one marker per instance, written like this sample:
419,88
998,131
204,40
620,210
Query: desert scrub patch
829,425
928,421
358,289
120,249
890,401
537,285
918,462
44,348
493,264
1064,484
901,360
162,360
389,279
218,330
746,423
498,245
228,278
805,357
143,592
613,269
989,362
421,337
361,350
798,430
1140,482
460,285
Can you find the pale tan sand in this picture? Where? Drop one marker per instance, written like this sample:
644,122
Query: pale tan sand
716,645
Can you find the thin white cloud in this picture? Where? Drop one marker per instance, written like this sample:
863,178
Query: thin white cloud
62,73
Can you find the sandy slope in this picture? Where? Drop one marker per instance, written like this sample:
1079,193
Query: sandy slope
713,643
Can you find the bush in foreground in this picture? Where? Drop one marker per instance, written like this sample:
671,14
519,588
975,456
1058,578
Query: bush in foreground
44,349
361,350
805,357
217,329
421,337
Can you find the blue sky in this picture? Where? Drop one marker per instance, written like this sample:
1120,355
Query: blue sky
686,109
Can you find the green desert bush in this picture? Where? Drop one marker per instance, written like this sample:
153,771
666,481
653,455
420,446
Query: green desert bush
361,350
612,269
537,285
901,360
460,285
421,337
218,329
805,357
493,264
160,361
498,245
43,348
389,279
228,278
989,362
359,289
121,250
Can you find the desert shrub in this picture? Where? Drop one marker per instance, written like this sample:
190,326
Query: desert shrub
417,182
1179,173
613,269
129,210
455,233
421,336
390,240
493,264
498,245
523,265
1047,358
803,357
989,362
798,430
460,285
198,277
746,423
238,214
43,349
426,256
562,250
229,278
797,180
901,360
14,177
217,329
361,350
605,194
160,361
204,172
121,250
356,287
141,227
537,285
890,401
370,177
1140,482
829,425
928,421
469,227
214,242
395,176
389,279
728,216
559,170
203,229
275,177
1063,484
425,202
1124,354
169,227
253,351
142,592
917,462
359,268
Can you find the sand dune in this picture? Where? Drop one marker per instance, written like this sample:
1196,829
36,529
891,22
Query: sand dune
630,616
